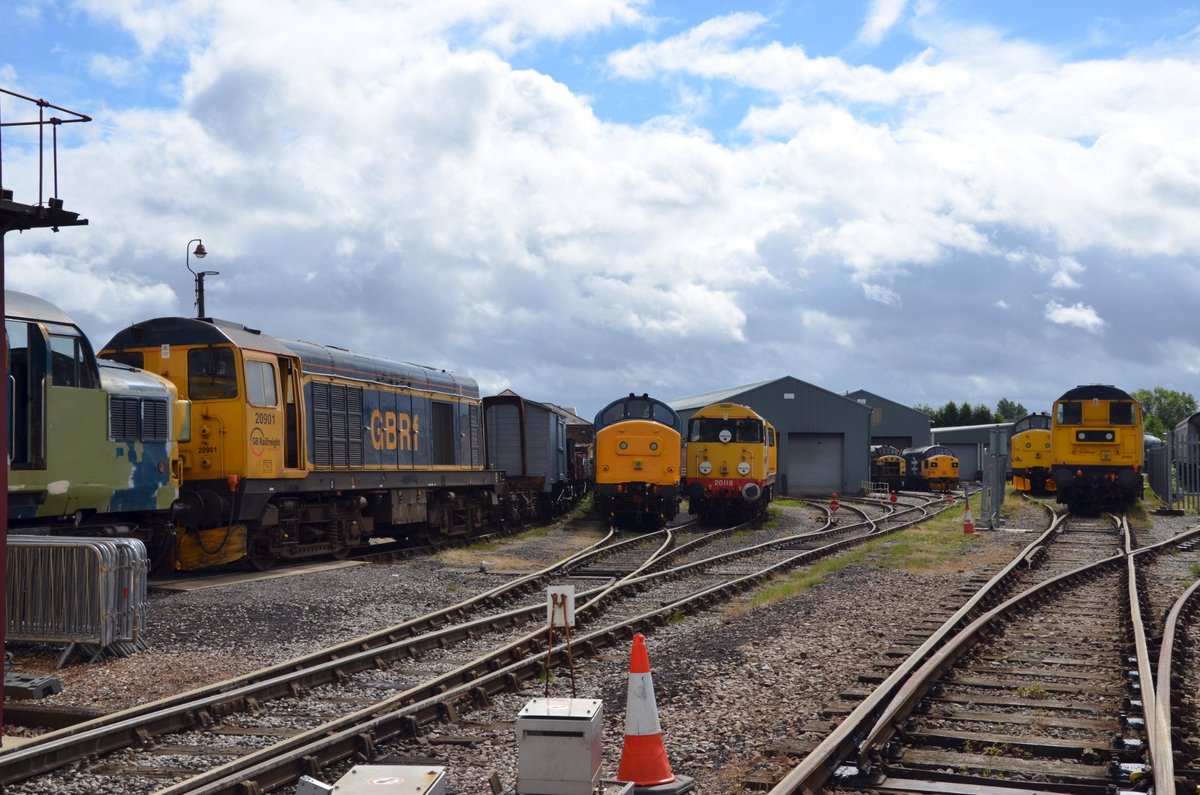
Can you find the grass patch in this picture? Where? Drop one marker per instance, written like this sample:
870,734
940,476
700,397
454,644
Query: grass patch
936,546
582,509
788,502
1034,692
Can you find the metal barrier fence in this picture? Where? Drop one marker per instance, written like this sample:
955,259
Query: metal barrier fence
89,593
1174,473
878,490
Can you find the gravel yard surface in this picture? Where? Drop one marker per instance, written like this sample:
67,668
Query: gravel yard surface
732,685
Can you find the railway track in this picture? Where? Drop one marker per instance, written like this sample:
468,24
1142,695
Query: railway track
354,697
1032,685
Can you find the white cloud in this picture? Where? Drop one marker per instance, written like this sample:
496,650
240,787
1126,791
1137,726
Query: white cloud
882,294
881,17
824,327
379,175
1078,315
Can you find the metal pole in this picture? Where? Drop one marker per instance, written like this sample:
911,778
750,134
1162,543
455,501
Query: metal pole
4,409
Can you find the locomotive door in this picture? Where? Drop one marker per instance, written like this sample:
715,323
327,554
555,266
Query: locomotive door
289,381
265,419
26,383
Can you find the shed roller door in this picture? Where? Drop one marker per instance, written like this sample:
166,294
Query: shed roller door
968,460
814,463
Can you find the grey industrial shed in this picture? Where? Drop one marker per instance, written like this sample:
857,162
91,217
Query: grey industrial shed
894,423
969,443
824,441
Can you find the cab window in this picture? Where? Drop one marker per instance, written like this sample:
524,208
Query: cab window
1120,413
749,431
211,374
260,384
70,358
1070,412
132,358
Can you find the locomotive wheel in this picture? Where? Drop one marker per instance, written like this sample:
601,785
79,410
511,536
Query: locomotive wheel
341,553
262,562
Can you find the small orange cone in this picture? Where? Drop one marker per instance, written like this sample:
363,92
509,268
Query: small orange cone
968,522
643,758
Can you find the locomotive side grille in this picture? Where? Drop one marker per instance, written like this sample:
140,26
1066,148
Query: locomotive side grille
133,419
354,436
322,444
123,418
337,416
476,453
154,420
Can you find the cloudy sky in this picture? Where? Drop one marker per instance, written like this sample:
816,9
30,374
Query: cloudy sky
930,199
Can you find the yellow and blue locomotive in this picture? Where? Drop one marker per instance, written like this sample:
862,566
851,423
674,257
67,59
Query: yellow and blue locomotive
930,468
1030,450
732,458
1097,447
300,449
887,466
93,446
638,458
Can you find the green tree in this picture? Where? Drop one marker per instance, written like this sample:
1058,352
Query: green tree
982,415
1008,411
924,409
1163,408
946,416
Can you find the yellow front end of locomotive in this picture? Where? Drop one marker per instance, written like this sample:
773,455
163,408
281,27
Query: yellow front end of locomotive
941,471
637,451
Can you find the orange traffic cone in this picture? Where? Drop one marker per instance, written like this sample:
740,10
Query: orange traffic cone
643,758
968,522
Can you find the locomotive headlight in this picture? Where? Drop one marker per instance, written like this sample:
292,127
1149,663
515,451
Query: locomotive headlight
1109,436
624,445
654,445
705,467
1079,436
744,468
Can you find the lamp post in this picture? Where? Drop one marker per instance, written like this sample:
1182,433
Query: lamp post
198,253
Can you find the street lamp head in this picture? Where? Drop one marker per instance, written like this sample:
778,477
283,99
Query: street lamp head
199,253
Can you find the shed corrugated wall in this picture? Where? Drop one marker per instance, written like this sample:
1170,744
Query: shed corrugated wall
809,410
892,421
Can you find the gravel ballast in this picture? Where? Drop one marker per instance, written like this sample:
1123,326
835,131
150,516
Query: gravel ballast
733,686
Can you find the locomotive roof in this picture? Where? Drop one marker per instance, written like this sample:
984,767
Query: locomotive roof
194,331
654,414
1096,392
330,360
30,307
927,450
316,359
1035,421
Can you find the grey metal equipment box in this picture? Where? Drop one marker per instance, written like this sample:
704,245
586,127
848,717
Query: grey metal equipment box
392,780
559,740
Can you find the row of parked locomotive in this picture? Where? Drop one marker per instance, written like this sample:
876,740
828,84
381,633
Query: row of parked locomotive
214,442
1089,452
930,468
730,455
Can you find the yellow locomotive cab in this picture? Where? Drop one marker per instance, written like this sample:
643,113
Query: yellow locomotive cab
637,461
732,456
